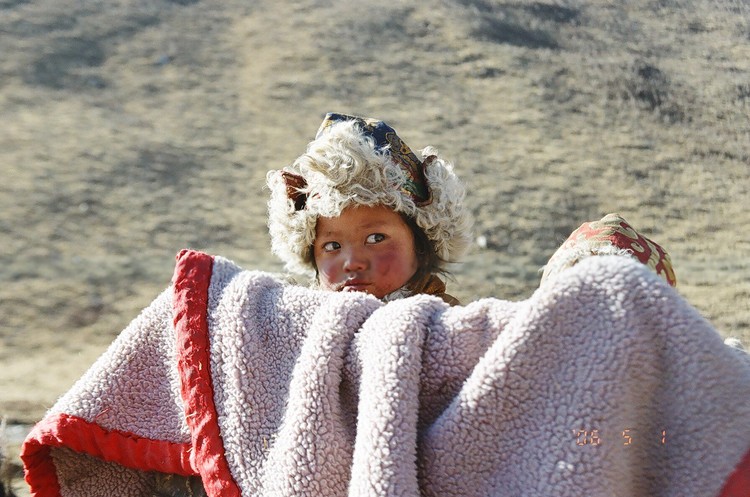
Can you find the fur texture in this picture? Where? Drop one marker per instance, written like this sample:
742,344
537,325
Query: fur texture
330,394
343,168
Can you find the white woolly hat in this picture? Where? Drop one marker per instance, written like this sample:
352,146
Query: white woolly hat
360,161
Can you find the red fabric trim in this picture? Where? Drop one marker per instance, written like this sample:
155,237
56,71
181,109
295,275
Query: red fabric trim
191,280
738,484
73,432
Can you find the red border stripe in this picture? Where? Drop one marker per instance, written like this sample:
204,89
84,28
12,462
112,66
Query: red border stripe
192,277
739,482
73,432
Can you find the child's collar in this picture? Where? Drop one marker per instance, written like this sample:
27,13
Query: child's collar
431,284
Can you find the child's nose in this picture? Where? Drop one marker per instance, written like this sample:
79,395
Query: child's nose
355,260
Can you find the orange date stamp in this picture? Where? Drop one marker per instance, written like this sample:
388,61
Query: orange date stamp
629,436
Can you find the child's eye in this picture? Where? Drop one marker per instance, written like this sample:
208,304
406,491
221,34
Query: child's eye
331,246
375,238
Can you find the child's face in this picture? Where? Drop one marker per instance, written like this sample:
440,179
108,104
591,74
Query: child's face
365,249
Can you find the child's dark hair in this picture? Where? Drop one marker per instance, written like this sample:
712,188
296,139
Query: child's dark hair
429,261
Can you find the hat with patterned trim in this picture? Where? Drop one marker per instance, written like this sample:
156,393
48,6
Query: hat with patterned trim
362,161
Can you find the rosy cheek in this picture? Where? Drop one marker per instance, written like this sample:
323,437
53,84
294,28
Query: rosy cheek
327,274
391,264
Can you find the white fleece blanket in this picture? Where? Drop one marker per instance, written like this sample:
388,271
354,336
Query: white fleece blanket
605,382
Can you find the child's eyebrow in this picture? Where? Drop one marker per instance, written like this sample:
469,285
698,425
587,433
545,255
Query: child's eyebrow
372,225
333,232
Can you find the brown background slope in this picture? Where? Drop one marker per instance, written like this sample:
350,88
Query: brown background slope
132,129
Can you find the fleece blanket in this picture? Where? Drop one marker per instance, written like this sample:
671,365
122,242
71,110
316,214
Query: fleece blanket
605,382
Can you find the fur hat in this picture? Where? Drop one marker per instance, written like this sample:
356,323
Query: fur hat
359,161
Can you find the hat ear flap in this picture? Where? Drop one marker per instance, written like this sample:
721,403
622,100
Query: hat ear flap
427,199
295,185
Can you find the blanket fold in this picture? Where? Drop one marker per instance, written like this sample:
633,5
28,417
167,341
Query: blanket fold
605,382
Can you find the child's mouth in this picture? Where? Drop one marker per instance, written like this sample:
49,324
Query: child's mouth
355,286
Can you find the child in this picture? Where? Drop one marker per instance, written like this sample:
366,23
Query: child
363,213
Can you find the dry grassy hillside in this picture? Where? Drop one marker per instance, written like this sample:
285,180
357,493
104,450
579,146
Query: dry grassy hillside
132,129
